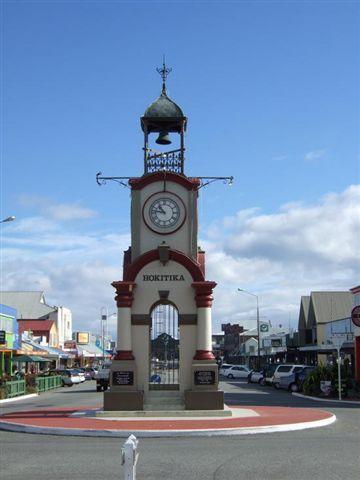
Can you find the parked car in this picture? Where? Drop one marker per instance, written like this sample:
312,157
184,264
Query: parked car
81,374
294,382
284,371
237,371
68,376
224,368
90,373
256,376
269,371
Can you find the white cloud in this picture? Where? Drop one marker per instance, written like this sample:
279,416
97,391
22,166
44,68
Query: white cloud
60,211
314,155
283,256
278,256
74,268
69,212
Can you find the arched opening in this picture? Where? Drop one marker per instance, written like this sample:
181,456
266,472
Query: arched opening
164,347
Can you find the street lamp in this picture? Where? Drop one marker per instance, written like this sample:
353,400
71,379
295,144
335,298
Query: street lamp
104,315
257,322
8,219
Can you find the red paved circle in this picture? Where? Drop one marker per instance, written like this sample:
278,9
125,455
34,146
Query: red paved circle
62,418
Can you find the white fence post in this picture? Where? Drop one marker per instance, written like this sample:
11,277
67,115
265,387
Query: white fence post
129,457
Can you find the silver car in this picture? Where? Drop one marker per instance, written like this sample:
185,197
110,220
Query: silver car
256,376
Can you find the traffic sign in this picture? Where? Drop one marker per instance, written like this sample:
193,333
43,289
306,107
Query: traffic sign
337,339
355,315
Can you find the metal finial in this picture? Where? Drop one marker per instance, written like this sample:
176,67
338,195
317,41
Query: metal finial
163,72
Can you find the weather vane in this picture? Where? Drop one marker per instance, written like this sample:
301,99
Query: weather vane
163,72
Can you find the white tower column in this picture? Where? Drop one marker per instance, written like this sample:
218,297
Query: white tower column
204,301
124,329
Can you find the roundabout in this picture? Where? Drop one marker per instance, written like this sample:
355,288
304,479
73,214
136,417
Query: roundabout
84,422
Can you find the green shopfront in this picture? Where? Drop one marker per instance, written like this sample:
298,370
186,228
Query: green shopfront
8,338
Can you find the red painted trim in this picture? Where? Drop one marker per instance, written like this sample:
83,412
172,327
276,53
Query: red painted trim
163,232
141,182
191,266
204,355
355,315
355,289
204,290
357,358
124,293
124,355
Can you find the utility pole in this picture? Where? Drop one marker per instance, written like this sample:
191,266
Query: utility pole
257,323
103,329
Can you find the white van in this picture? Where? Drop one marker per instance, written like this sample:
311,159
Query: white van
284,371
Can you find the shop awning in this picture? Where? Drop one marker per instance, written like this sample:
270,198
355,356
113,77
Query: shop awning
31,358
92,351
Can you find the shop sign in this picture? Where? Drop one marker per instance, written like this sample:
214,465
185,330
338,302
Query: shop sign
2,337
325,387
82,338
355,315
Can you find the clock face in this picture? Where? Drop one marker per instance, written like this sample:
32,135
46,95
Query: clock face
164,212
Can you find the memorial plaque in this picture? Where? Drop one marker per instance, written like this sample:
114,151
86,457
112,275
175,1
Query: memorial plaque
204,377
123,378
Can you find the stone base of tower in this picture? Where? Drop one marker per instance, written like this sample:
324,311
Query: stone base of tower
204,393
123,394
204,400
123,401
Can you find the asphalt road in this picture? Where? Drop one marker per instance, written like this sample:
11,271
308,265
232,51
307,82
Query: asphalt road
327,453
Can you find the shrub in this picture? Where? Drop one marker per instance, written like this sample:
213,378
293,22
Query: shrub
328,373
30,389
30,380
2,392
312,383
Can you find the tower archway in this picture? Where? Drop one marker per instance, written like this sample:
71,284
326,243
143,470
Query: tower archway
164,347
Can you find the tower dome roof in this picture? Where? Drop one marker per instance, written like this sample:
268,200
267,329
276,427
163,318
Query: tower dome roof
163,107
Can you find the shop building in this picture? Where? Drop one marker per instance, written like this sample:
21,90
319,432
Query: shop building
43,331
32,306
320,313
8,339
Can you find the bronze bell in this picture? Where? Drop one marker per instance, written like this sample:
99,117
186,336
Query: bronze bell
163,138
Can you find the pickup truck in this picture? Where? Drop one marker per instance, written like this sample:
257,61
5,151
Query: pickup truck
102,377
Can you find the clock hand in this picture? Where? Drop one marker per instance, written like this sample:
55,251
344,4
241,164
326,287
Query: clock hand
161,209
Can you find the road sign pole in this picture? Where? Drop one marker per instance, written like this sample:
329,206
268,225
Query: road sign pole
337,341
339,372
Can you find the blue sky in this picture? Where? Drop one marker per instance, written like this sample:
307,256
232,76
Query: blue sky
271,93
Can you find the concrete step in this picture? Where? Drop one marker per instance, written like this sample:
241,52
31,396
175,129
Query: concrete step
165,401
163,393
150,407
165,413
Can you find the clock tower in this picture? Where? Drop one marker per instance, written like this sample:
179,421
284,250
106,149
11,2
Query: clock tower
164,337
